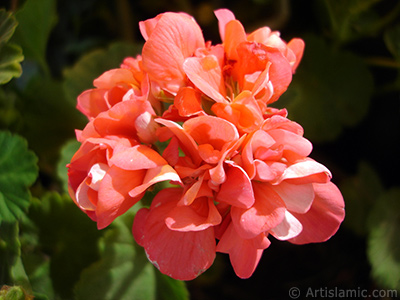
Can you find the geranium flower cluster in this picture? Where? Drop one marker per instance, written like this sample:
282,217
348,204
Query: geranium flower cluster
239,170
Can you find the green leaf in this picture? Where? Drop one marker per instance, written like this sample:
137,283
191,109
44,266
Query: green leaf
353,19
18,170
10,58
384,240
49,120
36,19
80,77
9,250
392,41
66,236
123,273
7,25
170,289
330,90
67,151
10,54
360,193
12,293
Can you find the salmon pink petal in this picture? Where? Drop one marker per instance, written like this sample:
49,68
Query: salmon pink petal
244,254
206,74
259,139
82,198
289,228
260,35
154,175
291,141
200,215
324,217
92,102
174,38
146,27
209,154
113,194
188,102
234,36
171,152
256,57
297,197
243,111
125,119
180,255
137,158
267,171
237,189
138,229
211,130
224,16
187,143
306,171
111,78
191,193
266,213
297,46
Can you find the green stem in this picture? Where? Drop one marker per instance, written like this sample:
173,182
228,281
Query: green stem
383,62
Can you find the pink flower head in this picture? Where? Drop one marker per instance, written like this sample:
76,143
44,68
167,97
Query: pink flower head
241,169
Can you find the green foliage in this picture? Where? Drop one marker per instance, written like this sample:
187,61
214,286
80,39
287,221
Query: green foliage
70,241
384,239
44,103
354,19
18,170
124,272
10,54
361,192
36,20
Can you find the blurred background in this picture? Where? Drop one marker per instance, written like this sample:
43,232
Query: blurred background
345,93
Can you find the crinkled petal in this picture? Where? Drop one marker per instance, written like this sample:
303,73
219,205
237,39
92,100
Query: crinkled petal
92,102
297,46
297,197
180,255
234,36
211,130
154,175
324,217
113,194
187,143
200,215
206,75
111,78
137,158
289,228
224,16
237,189
291,141
244,254
266,213
306,171
174,38
188,102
